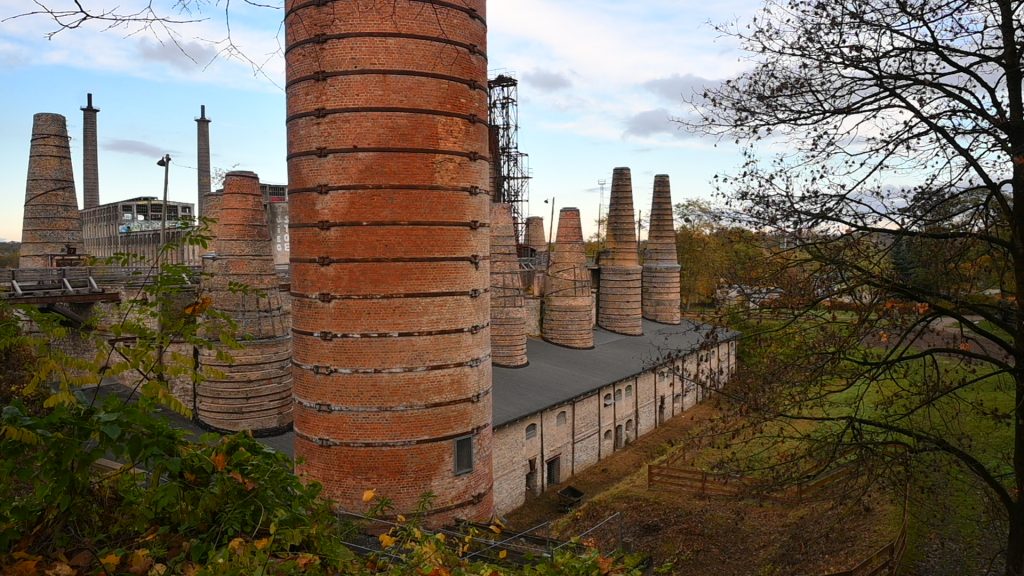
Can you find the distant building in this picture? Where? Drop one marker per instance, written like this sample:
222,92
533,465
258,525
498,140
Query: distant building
133,226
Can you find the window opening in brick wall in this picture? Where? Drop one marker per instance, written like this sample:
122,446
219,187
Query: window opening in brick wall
607,399
607,435
463,455
561,418
618,395
531,431
629,391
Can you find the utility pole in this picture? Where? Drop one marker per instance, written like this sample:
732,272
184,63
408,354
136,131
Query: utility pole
551,231
600,208
164,162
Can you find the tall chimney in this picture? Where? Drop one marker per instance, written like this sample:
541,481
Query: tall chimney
90,156
52,226
388,173
203,157
535,234
661,264
568,304
508,319
619,295
253,390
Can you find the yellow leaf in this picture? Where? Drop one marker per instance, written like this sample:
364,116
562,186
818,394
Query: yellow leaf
369,495
386,540
495,529
237,546
139,562
25,568
400,518
441,536
110,562
262,543
158,570
503,554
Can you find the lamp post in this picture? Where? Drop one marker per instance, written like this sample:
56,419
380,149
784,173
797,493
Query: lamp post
551,228
164,162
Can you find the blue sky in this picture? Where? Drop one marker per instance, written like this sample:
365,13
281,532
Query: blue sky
599,81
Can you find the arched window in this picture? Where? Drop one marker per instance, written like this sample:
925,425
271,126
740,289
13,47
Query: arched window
561,418
629,430
607,435
629,391
607,399
618,395
531,431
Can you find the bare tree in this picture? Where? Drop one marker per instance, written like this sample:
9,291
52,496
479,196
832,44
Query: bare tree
873,127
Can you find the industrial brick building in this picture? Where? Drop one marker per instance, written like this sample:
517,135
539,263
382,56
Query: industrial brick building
133,226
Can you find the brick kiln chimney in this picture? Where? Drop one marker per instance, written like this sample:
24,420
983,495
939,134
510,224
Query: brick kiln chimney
619,295
568,304
203,157
535,234
508,318
252,391
90,156
388,170
661,265
52,226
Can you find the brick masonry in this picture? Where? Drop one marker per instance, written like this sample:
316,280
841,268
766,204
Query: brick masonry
661,263
202,158
508,316
619,296
568,303
90,156
253,390
535,234
51,223
389,209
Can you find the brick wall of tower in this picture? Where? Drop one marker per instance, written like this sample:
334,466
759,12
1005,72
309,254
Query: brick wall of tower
252,390
388,171
619,297
661,264
202,159
535,234
568,311
51,222
508,316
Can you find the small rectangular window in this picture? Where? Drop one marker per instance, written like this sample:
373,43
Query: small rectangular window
464,455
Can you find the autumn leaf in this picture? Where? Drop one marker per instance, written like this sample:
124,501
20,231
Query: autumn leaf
199,306
110,562
25,568
237,546
249,484
139,562
306,560
495,529
220,461
262,543
158,570
386,540
503,554
369,495
604,563
61,569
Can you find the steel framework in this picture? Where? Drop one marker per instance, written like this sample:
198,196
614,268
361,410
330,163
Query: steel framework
511,167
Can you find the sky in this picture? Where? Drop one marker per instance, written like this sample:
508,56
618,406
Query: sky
600,84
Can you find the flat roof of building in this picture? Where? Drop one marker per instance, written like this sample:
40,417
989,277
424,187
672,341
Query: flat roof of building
557,375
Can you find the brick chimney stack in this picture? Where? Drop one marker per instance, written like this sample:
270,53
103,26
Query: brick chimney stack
252,391
203,157
90,156
619,295
568,304
535,234
52,226
661,265
388,173
508,320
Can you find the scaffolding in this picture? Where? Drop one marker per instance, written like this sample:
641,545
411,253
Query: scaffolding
511,168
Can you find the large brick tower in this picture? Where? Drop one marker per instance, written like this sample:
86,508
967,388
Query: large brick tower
252,391
90,156
568,304
508,319
51,228
388,170
618,297
661,265
535,234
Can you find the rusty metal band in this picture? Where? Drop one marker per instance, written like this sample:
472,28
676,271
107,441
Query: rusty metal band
320,113
328,336
473,259
327,225
332,443
326,189
332,370
338,409
324,152
471,12
323,75
324,38
327,298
